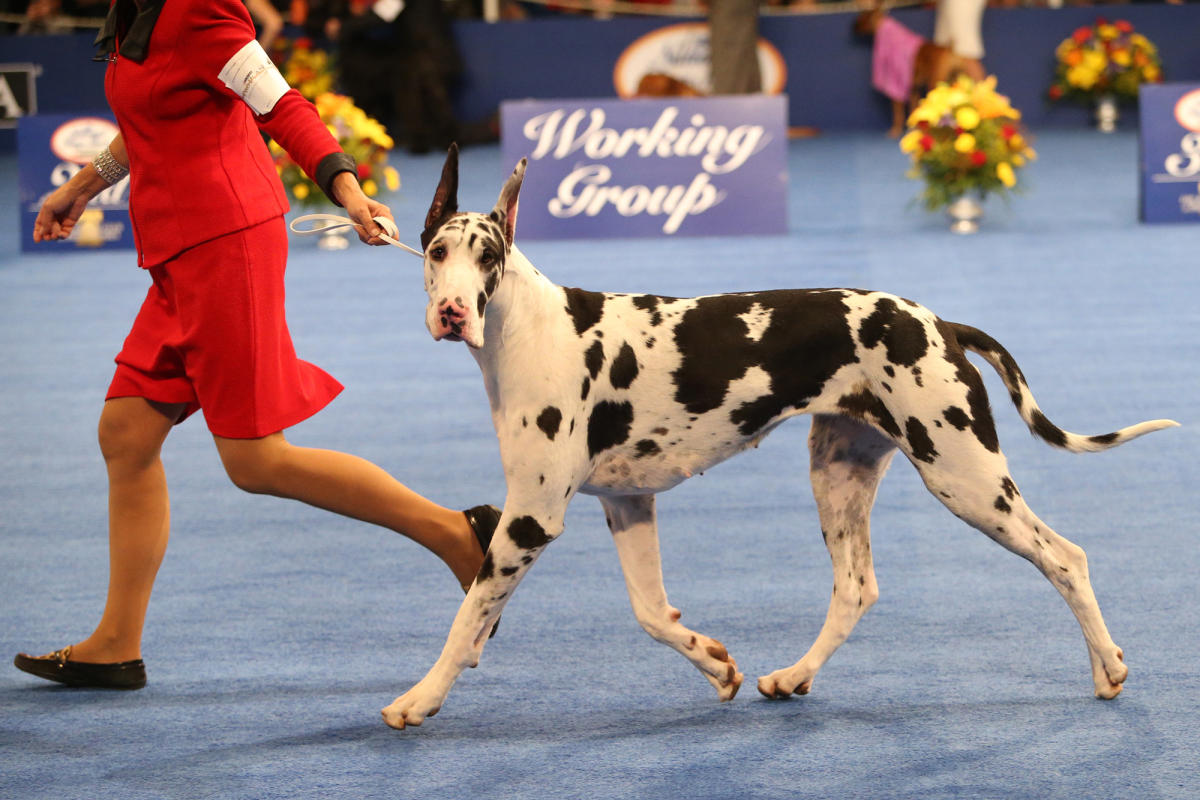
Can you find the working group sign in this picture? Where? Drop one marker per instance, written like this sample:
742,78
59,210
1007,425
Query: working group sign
707,166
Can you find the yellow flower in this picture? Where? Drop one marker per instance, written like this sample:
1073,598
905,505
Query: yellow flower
1095,60
1029,154
1082,77
1017,141
1006,175
392,178
370,187
965,143
924,113
1121,58
1106,32
967,118
910,142
300,191
1150,72
1018,160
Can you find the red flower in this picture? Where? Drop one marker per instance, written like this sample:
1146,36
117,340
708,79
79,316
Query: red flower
1123,26
1081,35
978,158
923,124
1008,130
364,171
926,142
304,43
1055,92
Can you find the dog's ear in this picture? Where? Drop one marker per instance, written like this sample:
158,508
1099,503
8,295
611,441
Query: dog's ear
505,211
445,199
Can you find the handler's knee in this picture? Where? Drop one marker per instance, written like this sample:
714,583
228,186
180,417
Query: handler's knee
131,430
252,464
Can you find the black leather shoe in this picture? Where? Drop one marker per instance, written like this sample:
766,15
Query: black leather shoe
483,521
57,666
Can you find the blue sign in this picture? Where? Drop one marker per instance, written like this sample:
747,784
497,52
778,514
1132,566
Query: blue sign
51,149
709,166
1170,152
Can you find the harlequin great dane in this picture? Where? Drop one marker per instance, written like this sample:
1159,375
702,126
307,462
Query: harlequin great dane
622,396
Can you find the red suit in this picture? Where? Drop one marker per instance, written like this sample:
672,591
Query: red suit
207,209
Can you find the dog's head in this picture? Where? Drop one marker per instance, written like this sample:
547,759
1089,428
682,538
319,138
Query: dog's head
465,255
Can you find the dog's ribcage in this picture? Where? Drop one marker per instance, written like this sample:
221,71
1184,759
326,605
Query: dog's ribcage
669,387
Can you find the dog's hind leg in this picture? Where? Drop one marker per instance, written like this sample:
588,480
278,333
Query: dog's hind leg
848,460
635,533
998,510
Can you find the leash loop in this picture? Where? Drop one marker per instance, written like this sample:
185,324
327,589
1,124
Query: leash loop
333,221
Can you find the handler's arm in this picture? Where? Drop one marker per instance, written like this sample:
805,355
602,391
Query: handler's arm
62,207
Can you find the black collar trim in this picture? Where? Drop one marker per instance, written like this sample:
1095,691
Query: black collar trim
132,26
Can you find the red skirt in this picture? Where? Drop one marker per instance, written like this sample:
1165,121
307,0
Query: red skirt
212,335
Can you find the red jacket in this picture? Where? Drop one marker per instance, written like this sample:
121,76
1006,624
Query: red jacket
198,166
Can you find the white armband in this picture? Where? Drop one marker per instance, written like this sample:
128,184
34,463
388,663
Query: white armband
252,76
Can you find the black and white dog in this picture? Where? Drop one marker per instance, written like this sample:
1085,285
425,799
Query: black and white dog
622,396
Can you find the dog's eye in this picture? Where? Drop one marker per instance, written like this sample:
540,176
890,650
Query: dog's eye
437,253
486,258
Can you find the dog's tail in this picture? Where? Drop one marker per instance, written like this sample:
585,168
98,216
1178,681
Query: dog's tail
994,353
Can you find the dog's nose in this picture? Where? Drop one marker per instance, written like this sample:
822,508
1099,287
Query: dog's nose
452,315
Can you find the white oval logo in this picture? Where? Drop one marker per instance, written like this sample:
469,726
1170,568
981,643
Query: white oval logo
673,61
81,139
1187,111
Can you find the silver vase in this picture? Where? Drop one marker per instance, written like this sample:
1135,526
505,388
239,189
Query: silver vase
964,212
1106,113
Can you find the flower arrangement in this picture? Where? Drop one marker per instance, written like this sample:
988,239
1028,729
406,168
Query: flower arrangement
306,68
965,138
361,136
1105,58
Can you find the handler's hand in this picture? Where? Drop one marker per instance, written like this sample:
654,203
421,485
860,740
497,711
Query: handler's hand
360,208
59,212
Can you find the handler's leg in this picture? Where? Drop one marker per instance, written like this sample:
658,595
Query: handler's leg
131,434
353,487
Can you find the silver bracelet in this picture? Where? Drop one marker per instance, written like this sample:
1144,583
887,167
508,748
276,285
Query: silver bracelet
108,168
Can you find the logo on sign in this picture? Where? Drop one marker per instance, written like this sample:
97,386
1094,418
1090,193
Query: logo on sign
18,92
675,61
1187,111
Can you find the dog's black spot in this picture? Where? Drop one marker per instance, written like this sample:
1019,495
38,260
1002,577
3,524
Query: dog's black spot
585,308
608,426
541,480
507,571
572,429
807,341
493,279
886,387
524,422
1002,505
647,447
866,406
624,368
494,216
527,533
976,339
593,359
1010,488
1048,430
890,370
549,421
486,569
917,377
978,408
649,302
650,343
1104,438
527,560
957,417
900,332
480,303
919,441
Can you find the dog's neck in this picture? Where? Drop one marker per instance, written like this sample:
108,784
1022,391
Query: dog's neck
522,319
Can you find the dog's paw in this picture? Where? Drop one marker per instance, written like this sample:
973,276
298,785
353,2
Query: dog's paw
783,683
410,709
720,669
1110,678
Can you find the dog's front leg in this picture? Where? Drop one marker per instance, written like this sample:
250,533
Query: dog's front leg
635,534
523,532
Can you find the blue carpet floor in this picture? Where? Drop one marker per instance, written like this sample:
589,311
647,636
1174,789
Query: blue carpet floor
277,631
